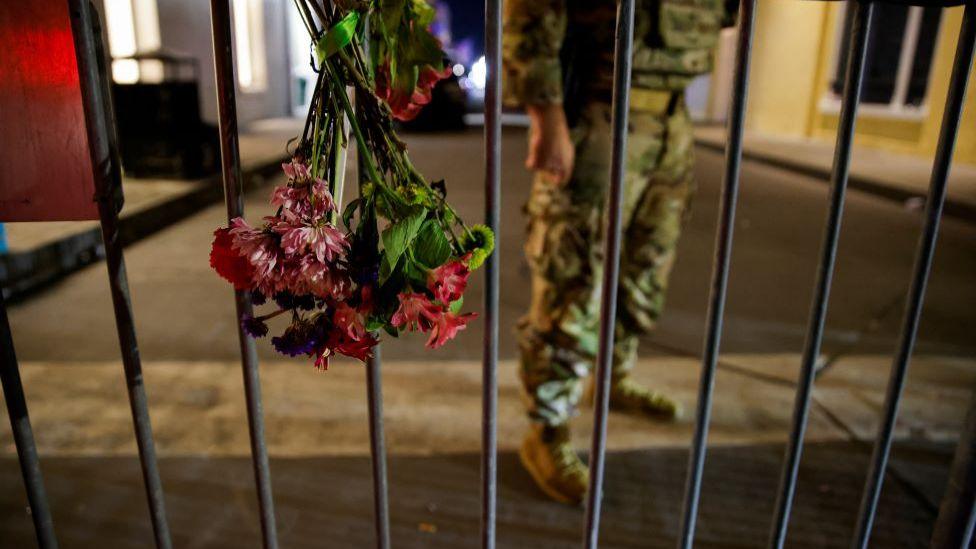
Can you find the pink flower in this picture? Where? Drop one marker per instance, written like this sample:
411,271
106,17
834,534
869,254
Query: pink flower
449,280
305,201
322,359
327,242
405,104
296,170
349,321
415,311
310,276
290,199
446,326
257,246
361,350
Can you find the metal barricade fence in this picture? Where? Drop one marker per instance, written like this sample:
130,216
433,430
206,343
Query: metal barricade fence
957,516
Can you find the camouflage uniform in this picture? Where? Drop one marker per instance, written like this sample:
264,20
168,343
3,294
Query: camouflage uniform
672,44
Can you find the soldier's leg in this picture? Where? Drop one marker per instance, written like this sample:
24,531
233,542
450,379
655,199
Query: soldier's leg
660,180
557,336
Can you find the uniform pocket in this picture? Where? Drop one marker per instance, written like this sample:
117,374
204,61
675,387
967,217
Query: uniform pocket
690,24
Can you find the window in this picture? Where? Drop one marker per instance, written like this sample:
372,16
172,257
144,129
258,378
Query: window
133,27
899,56
249,44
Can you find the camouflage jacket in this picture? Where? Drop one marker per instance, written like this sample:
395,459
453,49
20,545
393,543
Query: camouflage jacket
673,41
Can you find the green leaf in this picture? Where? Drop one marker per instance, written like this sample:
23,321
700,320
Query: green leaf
456,305
350,211
415,272
398,236
386,268
432,248
423,13
337,37
373,324
391,11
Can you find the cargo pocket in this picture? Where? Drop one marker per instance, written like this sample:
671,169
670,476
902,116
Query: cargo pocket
690,24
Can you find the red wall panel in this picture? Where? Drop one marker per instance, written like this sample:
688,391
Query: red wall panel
45,167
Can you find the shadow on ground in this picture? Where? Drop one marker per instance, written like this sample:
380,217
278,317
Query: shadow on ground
327,501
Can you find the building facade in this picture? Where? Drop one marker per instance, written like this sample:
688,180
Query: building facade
797,75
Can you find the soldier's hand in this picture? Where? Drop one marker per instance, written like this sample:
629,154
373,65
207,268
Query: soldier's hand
551,150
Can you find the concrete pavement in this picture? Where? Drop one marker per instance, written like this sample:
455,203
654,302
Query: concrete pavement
186,326
896,176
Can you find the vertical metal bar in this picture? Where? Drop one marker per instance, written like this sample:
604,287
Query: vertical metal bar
720,272
377,446
857,47
30,466
100,125
231,170
489,382
923,265
957,514
623,49
374,379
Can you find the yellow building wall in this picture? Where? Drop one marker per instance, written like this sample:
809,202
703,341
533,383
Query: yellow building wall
793,61
939,85
785,65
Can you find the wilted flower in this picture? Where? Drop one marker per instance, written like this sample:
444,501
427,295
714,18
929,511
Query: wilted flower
406,103
228,262
446,326
416,310
298,339
448,281
349,321
254,327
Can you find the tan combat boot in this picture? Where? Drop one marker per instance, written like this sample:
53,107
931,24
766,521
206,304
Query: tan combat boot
549,457
626,395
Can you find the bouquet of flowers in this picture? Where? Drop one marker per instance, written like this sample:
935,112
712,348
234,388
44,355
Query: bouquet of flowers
395,258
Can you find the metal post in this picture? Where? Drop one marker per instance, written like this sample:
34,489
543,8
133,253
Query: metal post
957,515
623,48
720,272
857,46
923,264
30,466
231,170
377,446
489,383
100,125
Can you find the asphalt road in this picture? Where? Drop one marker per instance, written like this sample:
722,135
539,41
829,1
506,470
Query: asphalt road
184,312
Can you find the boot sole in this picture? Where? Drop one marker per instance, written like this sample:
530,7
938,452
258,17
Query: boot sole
540,481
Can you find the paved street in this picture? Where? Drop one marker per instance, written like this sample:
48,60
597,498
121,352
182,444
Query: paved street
316,422
184,312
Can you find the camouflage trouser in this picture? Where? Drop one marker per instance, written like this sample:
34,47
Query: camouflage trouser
558,336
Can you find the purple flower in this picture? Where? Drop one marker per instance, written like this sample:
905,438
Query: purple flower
287,300
255,327
301,338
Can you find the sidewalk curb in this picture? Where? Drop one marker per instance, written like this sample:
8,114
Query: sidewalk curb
25,273
878,187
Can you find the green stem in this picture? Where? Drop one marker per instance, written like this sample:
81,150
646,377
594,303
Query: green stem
364,152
